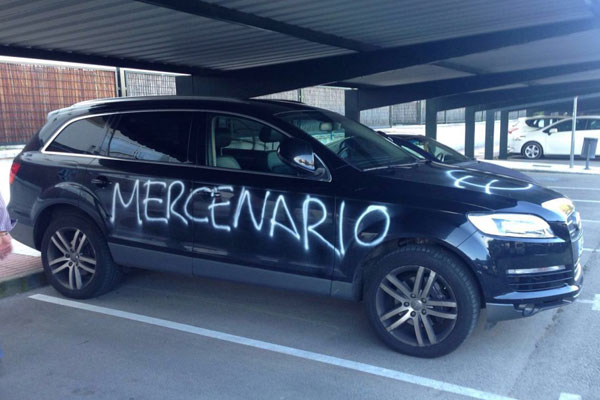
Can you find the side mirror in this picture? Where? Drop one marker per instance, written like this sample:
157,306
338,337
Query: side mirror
298,154
553,130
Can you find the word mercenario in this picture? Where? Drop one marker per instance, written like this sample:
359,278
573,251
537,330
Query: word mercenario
177,204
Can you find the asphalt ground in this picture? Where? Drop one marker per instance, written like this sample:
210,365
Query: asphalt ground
162,336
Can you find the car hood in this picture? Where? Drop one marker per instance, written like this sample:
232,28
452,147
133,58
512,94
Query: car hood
495,169
447,187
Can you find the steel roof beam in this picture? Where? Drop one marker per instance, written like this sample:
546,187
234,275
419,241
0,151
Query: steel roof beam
379,97
495,99
286,76
585,101
229,15
97,60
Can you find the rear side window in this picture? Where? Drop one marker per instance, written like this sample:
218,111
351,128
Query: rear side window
152,136
81,137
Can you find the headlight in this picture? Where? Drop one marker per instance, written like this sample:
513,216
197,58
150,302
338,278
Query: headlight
562,206
512,225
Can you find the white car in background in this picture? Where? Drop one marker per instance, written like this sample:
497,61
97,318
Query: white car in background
554,139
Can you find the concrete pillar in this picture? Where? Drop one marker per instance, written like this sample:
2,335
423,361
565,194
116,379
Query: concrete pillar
351,109
470,132
503,135
431,118
489,134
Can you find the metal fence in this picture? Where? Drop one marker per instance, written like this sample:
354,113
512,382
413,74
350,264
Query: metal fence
149,84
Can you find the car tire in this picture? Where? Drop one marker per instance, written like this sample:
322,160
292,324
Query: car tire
427,320
532,150
76,258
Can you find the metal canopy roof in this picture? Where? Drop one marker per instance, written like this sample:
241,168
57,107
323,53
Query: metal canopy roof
251,47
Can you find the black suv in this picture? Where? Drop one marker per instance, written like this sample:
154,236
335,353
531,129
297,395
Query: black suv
282,194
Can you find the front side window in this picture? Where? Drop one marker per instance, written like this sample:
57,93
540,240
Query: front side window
356,144
594,124
566,126
151,136
245,144
84,136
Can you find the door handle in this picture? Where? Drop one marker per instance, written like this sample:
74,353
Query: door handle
100,181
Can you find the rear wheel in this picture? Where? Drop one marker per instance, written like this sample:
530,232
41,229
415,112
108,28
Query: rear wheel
532,150
422,301
76,258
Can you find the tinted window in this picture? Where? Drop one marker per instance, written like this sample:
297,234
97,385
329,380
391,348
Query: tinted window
81,137
594,124
565,126
152,136
246,144
354,143
440,151
581,124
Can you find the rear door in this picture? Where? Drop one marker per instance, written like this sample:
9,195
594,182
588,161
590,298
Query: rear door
140,183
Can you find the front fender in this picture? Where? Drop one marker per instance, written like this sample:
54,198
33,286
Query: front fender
405,224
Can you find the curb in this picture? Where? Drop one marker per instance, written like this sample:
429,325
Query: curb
22,284
550,171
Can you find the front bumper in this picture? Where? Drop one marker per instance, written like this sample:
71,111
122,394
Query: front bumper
526,306
509,296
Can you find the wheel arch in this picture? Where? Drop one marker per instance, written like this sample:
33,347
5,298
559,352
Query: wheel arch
366,268
46,215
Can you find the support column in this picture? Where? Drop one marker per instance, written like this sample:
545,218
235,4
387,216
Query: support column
489,134
503,135
184,86
351,109
431,118
470,132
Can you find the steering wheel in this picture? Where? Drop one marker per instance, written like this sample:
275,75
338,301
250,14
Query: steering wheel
346,145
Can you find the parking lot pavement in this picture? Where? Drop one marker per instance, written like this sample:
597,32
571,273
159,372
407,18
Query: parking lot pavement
166,336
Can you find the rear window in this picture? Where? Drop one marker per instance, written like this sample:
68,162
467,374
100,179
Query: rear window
81,137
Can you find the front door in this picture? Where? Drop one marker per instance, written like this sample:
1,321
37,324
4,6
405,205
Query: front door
140,183
252,210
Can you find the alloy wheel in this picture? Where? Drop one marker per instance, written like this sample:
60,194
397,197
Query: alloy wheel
71,258
416,305
532,151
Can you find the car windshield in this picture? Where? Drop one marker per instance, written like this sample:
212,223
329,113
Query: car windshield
356,144
442,152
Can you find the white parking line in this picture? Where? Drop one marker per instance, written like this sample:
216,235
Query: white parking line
585,201
569,396
595,303
572,188
587,221
290,351
588,249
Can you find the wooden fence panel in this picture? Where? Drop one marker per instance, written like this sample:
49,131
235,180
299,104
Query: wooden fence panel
28,92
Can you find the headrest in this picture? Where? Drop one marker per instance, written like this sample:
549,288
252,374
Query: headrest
268,135
222,137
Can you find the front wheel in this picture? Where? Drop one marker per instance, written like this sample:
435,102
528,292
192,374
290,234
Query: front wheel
422,301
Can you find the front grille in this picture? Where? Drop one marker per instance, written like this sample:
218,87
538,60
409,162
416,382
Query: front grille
540,281
574,225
